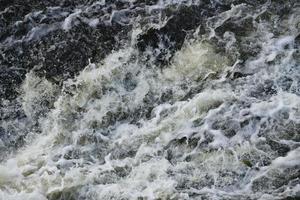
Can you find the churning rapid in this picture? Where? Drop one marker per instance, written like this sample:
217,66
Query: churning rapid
150,99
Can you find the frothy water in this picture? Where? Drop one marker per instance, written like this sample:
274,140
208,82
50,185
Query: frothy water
219,120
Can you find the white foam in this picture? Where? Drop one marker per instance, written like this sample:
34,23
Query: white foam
67,24
291,160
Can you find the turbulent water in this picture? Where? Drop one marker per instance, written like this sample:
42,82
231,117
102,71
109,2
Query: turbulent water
149,99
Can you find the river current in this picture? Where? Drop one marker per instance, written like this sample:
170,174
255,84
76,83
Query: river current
193,100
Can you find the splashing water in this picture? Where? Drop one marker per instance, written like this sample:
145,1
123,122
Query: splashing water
217,118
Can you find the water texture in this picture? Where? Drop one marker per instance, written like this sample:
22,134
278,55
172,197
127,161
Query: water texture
167,99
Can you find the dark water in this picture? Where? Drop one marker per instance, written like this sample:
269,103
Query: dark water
149,99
